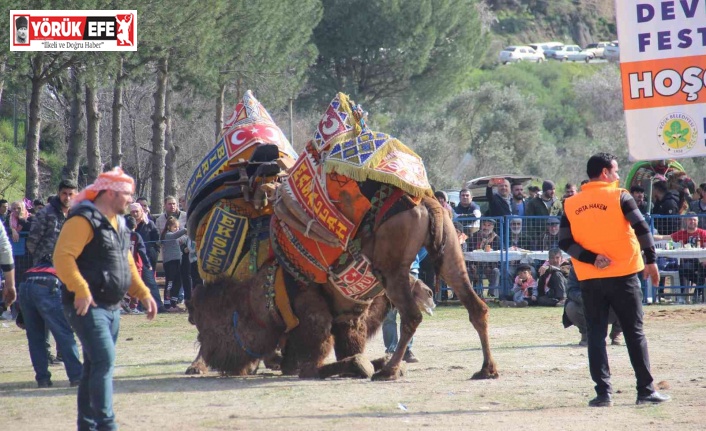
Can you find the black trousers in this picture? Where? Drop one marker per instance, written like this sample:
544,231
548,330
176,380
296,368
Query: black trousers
172,282
625,296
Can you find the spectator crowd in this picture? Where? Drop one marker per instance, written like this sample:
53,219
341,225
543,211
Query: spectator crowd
532,215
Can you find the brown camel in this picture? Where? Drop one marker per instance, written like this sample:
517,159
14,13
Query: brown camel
245,325
392,249
237,329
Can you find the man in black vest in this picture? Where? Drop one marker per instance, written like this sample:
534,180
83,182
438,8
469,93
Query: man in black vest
93,260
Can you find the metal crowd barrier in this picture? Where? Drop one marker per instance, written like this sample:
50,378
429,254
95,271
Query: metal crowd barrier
682,267
527,240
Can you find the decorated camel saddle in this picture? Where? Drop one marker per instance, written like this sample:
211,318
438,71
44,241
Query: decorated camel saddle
230,196
644,172
348,181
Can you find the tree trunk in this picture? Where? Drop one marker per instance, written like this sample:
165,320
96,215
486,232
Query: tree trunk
93,118
171,187
77,131
33,129
2,78
219,110
158,129
138,176
116,154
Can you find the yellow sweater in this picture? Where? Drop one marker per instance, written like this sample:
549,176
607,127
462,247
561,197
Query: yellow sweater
74,236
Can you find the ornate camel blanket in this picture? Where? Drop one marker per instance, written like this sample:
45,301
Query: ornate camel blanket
248,126
321,208
230,229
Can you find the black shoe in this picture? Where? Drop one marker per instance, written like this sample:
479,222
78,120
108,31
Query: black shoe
45,384
601,401
409,357
653,398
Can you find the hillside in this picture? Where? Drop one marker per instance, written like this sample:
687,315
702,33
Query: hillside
570,21
12,164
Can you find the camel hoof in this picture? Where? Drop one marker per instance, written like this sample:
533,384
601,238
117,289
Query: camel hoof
273,362
385,375
196,369
360,367
380,362
485,374
286,371
309,373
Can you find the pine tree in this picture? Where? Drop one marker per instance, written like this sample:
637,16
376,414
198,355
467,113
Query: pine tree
383,49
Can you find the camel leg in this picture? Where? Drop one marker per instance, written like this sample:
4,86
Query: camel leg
357,366
376,314
396,244
311,340
289,364
198,366
453,271
349,337
400,293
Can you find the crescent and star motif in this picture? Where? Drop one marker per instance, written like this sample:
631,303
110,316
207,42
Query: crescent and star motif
330,126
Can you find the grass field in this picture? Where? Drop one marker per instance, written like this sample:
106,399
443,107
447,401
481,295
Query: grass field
544,382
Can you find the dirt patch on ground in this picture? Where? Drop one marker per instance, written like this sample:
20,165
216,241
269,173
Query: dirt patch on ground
678,313
544,381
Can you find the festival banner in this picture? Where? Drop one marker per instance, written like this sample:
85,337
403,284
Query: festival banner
73,30
662,65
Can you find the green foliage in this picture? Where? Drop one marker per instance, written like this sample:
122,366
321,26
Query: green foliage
12,172
386,49
267,47
7,131
551,84
412,63
511,22
51,164
569,21
499,125
51,137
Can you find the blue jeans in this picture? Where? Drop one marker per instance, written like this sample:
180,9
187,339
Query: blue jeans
151,283
98,332
40,299
389,332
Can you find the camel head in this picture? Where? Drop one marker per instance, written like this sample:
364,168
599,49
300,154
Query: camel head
423,296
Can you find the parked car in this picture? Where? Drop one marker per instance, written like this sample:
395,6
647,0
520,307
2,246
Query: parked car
572,53
596,48
513,54
612,52
542,47
550,50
